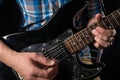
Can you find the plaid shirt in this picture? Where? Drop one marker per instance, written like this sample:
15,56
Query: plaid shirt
42,10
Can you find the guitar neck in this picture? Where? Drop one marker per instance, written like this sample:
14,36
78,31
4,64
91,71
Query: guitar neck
84,37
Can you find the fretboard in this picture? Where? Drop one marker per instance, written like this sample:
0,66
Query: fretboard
84,37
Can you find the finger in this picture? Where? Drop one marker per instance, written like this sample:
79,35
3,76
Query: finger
101,43
49,73
97,45
39,78
113,32
111,39
44,61
46,72
35,78
43,73
100,35
53,72
98,17
106,32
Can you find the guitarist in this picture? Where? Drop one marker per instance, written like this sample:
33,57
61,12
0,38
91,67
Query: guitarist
42,10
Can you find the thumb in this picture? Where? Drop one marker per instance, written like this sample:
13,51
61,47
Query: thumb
98,17
45,61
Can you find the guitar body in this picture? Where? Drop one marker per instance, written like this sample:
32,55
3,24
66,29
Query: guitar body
69,68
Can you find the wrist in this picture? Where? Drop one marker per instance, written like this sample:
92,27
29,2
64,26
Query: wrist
7,55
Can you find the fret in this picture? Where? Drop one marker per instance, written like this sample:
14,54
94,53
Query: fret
118,11
111,25
85,36
81,36
93,26
89,34
97,23
103,24
72,44
108,26
118,19
117,16
68,46
81,40
115,19
77,41
74,41
90,29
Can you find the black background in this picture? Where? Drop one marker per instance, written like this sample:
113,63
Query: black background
111,55
10,18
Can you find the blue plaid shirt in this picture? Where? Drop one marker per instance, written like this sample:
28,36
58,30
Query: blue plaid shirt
42,10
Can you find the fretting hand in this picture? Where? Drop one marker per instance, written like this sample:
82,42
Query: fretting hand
103,37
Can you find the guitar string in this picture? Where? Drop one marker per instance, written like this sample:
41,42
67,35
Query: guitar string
115,19
51,51
116,15
58,53
74,43
88,32
70,44
79,40
54,52
118,11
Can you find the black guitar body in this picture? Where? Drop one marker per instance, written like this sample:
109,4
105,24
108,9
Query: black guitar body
61,25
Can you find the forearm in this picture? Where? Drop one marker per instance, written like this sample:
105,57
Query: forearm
7,55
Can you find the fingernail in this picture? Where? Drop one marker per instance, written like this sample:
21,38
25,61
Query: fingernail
52,62
93,30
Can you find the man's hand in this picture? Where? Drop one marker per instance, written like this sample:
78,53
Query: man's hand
103,37
32,66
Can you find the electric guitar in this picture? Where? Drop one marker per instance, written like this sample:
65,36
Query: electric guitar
60,38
